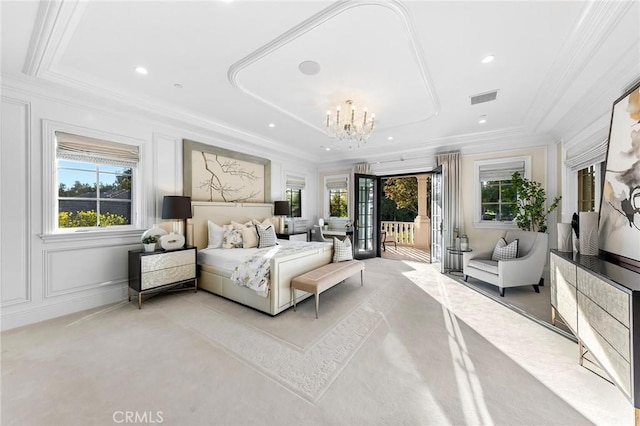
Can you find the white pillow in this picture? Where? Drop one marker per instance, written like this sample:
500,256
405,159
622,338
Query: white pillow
342,250
504,251
249,237
216,233
266,236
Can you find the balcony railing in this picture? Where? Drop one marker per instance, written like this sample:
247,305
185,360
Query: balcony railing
404,232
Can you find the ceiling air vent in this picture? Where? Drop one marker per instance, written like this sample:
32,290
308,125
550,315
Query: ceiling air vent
484,97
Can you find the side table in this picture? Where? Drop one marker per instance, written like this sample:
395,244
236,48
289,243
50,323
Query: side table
457,252
161,269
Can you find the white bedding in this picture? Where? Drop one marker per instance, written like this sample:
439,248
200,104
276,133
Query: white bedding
228,259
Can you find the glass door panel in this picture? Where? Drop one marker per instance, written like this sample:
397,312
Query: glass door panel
365,233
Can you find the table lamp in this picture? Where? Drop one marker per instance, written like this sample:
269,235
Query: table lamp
281,208
178,208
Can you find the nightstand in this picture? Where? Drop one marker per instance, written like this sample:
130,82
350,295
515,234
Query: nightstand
297,236
161,270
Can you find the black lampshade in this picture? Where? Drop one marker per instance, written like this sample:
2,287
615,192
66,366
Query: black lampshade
176,207
281,208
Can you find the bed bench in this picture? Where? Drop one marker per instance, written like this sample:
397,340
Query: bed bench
325,277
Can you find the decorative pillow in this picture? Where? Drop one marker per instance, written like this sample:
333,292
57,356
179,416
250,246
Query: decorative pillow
342,250
264,223
504,251
232,239
216,234
249,237
502,243
240,226
266,236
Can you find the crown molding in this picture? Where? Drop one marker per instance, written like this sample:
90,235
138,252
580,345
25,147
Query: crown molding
119,107
315,21
596,22
54,26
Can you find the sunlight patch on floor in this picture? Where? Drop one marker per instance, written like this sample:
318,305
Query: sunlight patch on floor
472,399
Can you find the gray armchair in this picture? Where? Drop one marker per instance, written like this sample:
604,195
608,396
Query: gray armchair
524,270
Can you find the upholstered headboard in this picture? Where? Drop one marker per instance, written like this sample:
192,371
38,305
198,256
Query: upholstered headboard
221,214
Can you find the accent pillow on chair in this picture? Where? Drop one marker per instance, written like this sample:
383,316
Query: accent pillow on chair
342,250
504,251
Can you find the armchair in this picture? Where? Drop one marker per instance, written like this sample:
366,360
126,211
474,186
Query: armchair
526,269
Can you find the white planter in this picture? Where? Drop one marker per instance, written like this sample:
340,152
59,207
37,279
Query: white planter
150,247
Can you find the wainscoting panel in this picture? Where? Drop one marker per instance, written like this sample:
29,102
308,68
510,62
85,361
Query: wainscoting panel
78,269
14,209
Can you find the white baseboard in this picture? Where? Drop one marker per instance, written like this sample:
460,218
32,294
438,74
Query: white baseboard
34,314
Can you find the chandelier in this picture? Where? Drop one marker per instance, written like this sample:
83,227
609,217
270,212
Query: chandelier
350,127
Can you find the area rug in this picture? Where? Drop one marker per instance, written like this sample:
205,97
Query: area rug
302,353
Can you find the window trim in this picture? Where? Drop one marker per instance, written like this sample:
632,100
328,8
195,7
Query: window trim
326,210
50,232
477,209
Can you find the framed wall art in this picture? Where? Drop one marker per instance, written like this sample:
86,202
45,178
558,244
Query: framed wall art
217,174
619,225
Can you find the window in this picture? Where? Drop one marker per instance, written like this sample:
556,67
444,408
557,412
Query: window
94,181
495,195
293,192
294,196
90,181
336,198
586,189
498,200
338,203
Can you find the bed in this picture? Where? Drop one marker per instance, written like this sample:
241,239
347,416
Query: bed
216,277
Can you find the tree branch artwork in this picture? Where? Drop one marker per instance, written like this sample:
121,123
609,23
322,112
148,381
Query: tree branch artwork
228,179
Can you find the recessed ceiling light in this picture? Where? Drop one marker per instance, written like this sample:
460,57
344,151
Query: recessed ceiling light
142,70
327,149
483,119
272,125
487,59
309,67
390,138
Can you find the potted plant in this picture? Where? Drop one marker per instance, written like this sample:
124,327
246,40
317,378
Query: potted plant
150,242
530,212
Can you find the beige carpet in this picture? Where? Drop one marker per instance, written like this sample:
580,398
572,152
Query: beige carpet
411,347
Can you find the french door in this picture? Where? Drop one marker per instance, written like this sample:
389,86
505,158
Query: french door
366,224
437,246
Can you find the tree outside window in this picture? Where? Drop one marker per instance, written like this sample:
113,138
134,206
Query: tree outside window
294,196
93,194
498,199
338,202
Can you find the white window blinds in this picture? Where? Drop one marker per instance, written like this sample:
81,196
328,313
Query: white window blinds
295,182
336,183
582,159
81,148
500,171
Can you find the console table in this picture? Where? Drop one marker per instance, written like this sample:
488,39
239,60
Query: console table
600,303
